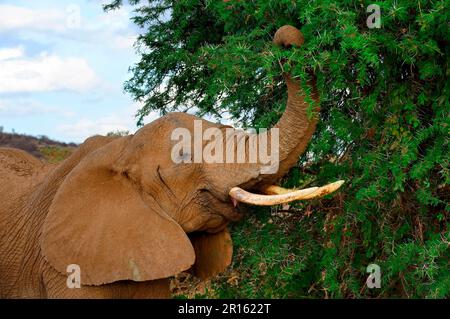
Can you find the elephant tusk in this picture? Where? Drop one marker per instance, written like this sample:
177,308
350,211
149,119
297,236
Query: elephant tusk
278,190
280,195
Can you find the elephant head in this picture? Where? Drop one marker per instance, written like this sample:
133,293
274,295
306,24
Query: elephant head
128,211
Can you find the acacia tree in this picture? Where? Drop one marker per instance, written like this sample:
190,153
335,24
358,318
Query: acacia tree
384,128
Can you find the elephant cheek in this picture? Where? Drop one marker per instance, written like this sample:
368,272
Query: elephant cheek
214,224
196,222
205,222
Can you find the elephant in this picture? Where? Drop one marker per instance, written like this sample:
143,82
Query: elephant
128,216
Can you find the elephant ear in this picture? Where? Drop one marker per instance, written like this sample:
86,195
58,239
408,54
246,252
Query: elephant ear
213,253
99,221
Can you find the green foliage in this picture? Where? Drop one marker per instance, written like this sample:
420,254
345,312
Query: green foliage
55,153
274,258
384,129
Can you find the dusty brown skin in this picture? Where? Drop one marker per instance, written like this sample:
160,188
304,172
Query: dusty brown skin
125,212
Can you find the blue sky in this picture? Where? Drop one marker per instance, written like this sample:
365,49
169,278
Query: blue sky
62,68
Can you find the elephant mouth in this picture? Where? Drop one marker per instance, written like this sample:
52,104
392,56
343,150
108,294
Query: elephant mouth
274,195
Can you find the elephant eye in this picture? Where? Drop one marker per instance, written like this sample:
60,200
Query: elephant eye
182,157
204,194
203,191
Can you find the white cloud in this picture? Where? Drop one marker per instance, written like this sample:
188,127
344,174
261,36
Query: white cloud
111,29
11,53
124,41
121,121
97,41
14,17
21,107
44,73
85,127
116,20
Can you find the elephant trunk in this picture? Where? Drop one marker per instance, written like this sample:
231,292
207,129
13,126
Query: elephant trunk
295,127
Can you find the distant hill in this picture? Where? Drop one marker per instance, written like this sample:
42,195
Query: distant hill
41,146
